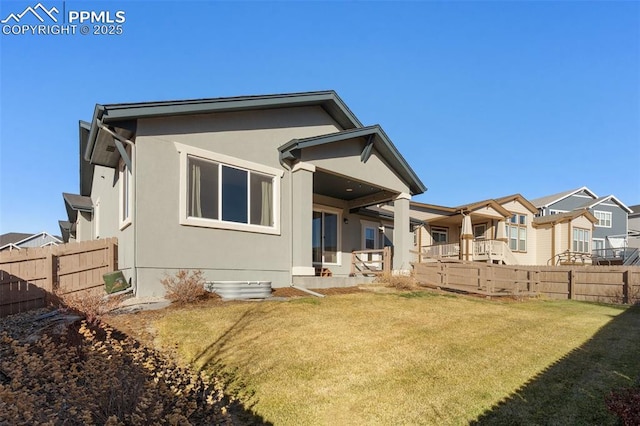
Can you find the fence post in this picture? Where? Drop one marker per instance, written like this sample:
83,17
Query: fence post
490,282
50,274
444,279
572,286
353,264
625,287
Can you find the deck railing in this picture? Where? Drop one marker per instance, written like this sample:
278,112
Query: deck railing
483,250
371,262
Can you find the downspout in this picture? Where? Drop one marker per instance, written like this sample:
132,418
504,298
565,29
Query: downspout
131,164
288,168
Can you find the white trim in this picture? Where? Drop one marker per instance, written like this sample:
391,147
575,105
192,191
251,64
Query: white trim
303,271
122,169
403,196
96,216
603,213
570,193
228,160
364,224
224,160
301,165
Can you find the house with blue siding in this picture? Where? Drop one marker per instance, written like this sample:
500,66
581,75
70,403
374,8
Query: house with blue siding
609,238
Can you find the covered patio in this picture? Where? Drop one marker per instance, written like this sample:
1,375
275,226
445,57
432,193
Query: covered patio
335,177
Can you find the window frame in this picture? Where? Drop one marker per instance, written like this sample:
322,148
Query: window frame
186,151
124,190
599,213
338,213
517,223
585,241
439,230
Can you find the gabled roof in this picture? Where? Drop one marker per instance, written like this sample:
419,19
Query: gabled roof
495,203
593,203
38,235
484,203
636,210
552,219
513,197
66,229
554,198
86,168
12,238
75,203
379,140
127,113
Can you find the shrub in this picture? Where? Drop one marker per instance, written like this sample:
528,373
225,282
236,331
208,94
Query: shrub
184,286
400,282
90,375
625,403
92,305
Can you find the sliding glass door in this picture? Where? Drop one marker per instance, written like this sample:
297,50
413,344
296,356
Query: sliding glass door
325,237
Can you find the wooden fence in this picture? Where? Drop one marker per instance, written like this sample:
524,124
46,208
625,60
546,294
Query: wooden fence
618,284
30,277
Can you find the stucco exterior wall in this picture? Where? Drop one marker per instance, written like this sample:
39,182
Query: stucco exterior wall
105,195
164,245
84,227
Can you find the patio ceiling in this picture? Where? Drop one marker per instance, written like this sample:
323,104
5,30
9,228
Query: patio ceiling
358,193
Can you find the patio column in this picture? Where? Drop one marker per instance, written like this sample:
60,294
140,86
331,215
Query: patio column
401,235
501,232
301,219
466,250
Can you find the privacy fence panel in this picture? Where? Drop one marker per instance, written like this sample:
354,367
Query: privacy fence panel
616,284
30,277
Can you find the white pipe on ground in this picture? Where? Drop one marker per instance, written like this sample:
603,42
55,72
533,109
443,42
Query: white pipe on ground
313,293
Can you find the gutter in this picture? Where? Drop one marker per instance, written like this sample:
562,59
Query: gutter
98,113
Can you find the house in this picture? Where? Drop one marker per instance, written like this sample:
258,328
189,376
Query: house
609,236
254,188
633,228
504,230
18,240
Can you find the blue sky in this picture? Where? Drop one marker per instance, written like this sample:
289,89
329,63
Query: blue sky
484,99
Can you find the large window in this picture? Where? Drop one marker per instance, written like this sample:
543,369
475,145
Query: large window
604,219
581,240
222,192
516,230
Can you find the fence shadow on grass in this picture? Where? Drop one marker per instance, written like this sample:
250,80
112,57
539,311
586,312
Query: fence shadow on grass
573,390
211,359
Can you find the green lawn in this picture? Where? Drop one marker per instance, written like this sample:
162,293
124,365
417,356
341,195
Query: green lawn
413,358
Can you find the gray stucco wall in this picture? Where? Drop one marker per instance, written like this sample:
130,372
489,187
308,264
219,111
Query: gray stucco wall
105,222
164,245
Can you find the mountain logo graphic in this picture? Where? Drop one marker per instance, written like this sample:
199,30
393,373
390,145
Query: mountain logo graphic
34,11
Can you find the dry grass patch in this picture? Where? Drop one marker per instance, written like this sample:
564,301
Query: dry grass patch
407,357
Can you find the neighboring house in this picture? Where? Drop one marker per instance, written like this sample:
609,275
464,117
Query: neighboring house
269,188
18,241
609,235
634,227
502,230
79,212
